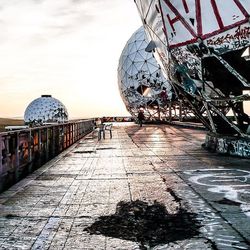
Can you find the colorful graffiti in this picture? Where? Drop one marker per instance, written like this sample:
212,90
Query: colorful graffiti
23,151
228,145
203,47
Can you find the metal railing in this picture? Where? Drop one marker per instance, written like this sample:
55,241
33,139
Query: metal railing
23,151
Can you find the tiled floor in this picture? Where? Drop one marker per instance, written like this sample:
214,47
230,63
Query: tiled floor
74,201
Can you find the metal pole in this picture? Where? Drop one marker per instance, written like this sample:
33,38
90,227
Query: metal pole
170,111
180,111
53,141
17,160
47,143
39,140
17,149
30,146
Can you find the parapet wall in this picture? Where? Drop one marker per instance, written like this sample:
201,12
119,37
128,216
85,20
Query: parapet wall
23,151
235,146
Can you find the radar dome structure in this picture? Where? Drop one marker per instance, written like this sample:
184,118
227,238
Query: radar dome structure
141,82
204,47
45,109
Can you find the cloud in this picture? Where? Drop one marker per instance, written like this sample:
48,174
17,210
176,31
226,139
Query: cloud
64,47
26,20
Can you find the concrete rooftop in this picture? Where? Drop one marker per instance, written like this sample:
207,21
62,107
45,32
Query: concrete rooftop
152,187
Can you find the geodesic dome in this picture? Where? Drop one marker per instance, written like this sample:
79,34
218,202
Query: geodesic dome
45,109
140,79
203,47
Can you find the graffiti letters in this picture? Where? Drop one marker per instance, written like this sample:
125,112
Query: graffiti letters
189,18
239,37
241,148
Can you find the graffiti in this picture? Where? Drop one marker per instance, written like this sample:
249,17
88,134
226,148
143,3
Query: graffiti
184,57
239,38
227,145
25,150
240,148
223,48
117,119
205,44
240,44
233,147
222,146
189,19
213,227
232,184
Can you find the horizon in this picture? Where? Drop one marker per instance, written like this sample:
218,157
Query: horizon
69,49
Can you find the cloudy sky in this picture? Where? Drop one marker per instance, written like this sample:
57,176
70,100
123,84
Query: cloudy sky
67,48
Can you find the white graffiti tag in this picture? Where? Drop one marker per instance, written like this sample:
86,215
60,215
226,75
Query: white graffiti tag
233,184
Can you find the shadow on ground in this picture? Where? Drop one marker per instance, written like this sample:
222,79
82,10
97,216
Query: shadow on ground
147,224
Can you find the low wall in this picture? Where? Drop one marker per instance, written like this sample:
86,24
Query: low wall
228,145
23,151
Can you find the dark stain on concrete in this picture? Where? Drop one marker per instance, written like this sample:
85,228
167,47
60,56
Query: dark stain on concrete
147,224
226,201
106,148
176,198
85,152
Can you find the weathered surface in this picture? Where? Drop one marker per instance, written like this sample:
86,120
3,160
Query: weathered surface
228,145
147,188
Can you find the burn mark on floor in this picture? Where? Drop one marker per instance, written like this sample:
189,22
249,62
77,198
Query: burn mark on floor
147,224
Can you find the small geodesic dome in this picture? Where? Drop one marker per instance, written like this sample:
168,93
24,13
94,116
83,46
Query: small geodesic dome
45,109
140,79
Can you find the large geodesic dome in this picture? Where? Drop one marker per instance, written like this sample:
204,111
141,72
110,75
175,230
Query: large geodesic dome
203,47
140,79
45,109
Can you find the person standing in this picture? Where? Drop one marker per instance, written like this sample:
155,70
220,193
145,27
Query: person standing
140,117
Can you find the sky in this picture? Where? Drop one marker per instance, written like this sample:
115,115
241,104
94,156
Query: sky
67,48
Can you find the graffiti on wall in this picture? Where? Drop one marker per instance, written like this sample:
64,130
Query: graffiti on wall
240,35
222,146
233,40
187,20
226,145
241,148
233,147
205,56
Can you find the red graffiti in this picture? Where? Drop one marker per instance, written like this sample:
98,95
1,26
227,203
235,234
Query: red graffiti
185,6
178,16
172,15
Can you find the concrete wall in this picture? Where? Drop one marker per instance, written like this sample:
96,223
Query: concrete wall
23,151
235,146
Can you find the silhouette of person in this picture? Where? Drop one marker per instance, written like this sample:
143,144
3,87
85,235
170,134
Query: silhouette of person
140,117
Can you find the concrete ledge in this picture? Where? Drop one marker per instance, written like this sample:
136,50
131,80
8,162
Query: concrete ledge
192,125
229,145
185,124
